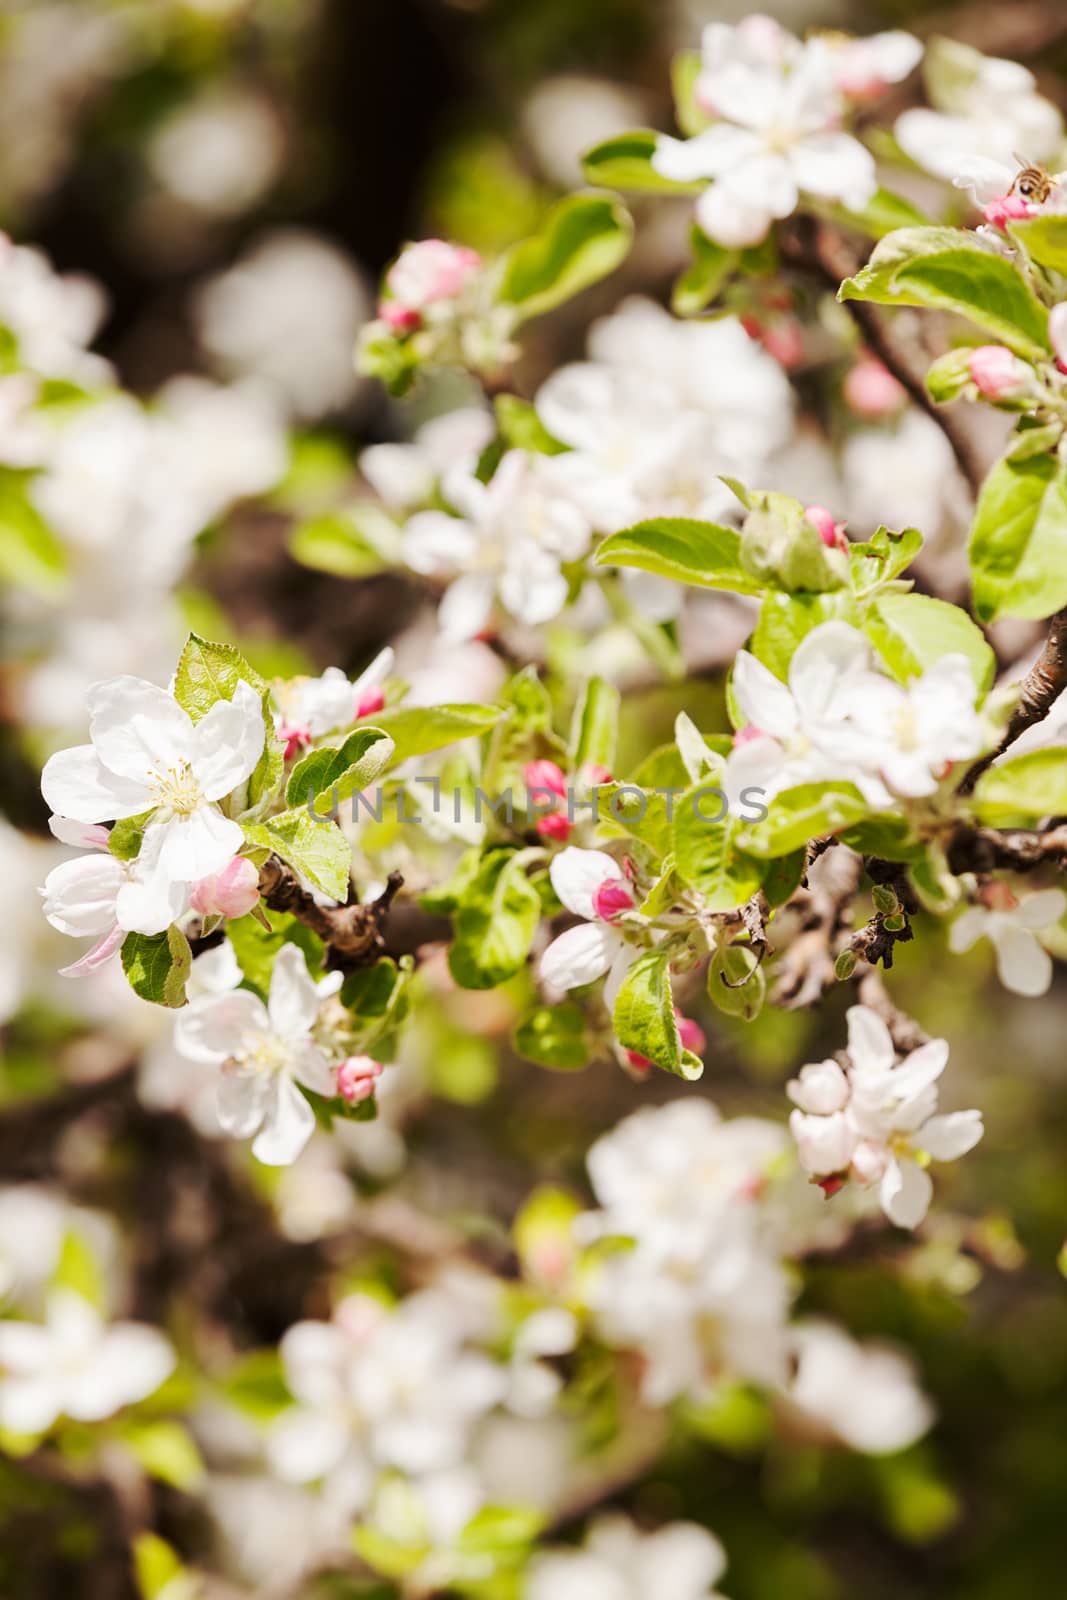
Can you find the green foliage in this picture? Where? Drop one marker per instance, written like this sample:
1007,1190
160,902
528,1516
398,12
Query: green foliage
496,921
208,672
31,557
522,429
157,965
702,553
798,815
351,543
644,1019
1044,239
317,850
555,1036
583,238
1018,548
945,269
419,730
364,756
736,984
786,619
708,272
705,851
1028,786
595,724
911,632
257,947
625,162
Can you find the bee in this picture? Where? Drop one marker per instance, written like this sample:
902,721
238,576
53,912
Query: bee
1033,184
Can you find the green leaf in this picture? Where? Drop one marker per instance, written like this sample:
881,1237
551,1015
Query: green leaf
339,772
781,877
79,1270
884,213
946,269
496,923
209,672
522,429
377,998
786,619
595,726
736,984
1044,239
711,266
584,237
1018,548
157,965
889,837
883,557
418,730
1031,785
625,162
353,543
501,1530
555,1036
798,815
165,1450
31,556
686,67
256,947
158,1569
319,851
705,851
125,837
644,1019
911,632
702,553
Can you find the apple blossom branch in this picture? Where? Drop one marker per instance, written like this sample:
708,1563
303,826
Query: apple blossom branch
903,356
353,934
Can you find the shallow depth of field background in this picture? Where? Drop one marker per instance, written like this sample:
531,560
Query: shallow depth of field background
380,120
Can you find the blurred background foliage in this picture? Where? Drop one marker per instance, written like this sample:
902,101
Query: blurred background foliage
380,120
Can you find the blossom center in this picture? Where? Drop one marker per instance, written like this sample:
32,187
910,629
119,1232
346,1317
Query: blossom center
906,728
177,789
261,1051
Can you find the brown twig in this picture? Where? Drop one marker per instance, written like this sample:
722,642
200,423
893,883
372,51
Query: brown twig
1018,849
1043,684
353,934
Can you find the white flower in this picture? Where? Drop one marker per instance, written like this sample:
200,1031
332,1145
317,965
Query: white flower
288,312
264,1051
864,67
777,139
1023,965
53,318
220,152
312,707
170,1081
406,475
987,110
618,1562
147,755
508,543
911,734
592,885
864,1394
890,1128
103,898
76,1365
903,476
797,732
701,1290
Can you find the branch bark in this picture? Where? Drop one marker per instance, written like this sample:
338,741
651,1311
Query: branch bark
353,934
903,357
1043,685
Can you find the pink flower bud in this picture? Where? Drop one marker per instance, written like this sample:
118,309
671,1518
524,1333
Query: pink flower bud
594,773
356,1077
871,389
295,739
691,1034
748,734
824,1144
370,700
545,775
1006,208
997,374
639,1062
397,317
429,271
612,899
1057,328
781,337
229,893
556,825
830,532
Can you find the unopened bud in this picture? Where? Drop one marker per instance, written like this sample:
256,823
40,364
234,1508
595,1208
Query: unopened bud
429,271
998,374
557,825
691,1034
1004,209
356,1077
545,775
612,899
830,532
845,965
369,701
871,389
229,893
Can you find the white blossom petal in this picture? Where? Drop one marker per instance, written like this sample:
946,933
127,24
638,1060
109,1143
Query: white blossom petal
951,1135
294,999
137,728
77,785
288,1123
579,956
227,742
906,1191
